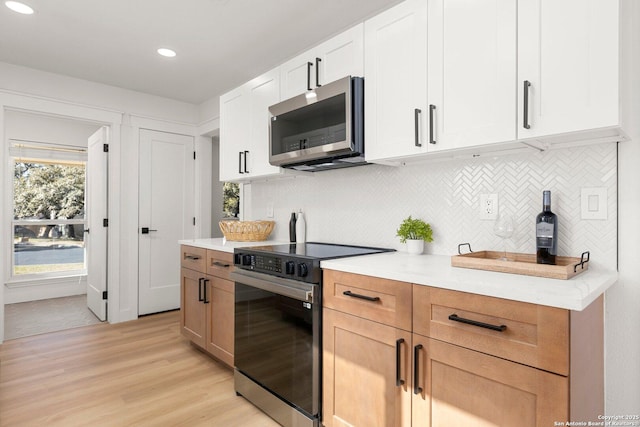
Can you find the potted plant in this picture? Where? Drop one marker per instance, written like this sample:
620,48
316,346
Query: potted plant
414,232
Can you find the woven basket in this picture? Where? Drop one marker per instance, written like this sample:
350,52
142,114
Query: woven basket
246,231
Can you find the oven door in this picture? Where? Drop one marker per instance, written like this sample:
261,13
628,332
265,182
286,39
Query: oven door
277,338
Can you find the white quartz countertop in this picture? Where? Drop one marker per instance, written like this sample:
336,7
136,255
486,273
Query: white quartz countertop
221,244
436,270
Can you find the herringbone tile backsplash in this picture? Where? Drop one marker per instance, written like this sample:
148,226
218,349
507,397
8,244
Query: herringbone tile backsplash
364,205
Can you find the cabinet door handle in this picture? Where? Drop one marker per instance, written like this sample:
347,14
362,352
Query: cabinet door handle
525,112
204,287
399,380
416,119
318,60
364,297
309,65
416,371
240,162
432,109
246,154
200,289
192,257
499,328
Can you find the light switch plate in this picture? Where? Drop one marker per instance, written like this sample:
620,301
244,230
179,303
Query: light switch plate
593,201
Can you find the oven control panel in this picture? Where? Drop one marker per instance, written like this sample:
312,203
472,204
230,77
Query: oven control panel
277,265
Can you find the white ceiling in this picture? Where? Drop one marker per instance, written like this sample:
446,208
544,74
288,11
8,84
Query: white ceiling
220,43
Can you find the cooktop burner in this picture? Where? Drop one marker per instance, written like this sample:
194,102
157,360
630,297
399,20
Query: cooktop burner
319,250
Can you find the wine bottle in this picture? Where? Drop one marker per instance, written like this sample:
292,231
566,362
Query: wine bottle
292,228
546,232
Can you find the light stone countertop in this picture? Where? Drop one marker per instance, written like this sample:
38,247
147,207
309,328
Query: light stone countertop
221,244
436,270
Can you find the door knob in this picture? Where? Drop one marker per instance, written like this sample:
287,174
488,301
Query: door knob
146,230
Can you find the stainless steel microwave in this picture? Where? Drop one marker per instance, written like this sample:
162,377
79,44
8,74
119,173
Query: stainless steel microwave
321,129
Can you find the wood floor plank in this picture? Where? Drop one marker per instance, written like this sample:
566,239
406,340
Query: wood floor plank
138,373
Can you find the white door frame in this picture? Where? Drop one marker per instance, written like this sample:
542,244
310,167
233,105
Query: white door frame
46,106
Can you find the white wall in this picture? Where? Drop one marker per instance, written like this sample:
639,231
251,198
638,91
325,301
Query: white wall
47,129
622,318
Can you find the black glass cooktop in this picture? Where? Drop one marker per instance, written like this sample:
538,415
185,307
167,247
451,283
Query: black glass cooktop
317,250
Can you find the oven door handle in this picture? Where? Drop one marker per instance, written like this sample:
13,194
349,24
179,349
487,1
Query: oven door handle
289,288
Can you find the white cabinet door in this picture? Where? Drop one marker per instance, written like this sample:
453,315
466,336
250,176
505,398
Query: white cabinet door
234,133
568,52
472,65
396,82
297,75
244,129
263,92
341,56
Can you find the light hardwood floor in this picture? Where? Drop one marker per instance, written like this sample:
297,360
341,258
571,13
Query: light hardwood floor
138,373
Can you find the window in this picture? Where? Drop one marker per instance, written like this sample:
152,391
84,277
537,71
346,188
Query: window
231,200
48,210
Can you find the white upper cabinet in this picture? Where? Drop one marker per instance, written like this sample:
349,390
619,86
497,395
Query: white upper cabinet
568,53
472,66
396,82
338,57
244,129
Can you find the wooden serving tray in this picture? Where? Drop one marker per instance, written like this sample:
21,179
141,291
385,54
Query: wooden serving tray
565,268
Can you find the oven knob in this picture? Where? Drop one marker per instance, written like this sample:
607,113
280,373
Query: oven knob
290,267
246,259
302,270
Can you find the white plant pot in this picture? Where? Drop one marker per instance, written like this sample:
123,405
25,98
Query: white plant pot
415,247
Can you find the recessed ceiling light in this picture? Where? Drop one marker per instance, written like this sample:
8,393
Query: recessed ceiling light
19,7
166,52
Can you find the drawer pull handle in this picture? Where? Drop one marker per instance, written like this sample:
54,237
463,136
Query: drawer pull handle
365,297
192,257
220,264
200,289
399,380
456,318
416,374
204,289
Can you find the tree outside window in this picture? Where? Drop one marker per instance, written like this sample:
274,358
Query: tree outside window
49,217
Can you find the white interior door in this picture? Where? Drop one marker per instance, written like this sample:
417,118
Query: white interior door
96,209
165,215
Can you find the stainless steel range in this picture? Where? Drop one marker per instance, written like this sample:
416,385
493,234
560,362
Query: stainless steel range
278,327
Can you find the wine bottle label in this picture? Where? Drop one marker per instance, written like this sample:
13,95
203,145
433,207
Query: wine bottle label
544,235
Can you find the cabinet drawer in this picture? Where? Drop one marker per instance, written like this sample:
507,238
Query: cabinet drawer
531,334
380,300
193,258
219,263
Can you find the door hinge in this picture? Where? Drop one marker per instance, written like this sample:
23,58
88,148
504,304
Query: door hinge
104,294
105,222
105,148
194,155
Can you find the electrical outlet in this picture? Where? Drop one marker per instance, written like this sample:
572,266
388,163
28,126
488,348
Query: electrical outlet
488,206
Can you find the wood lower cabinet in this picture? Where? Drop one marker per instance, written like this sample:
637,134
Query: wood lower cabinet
207,300
458,386
360,372
465,359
